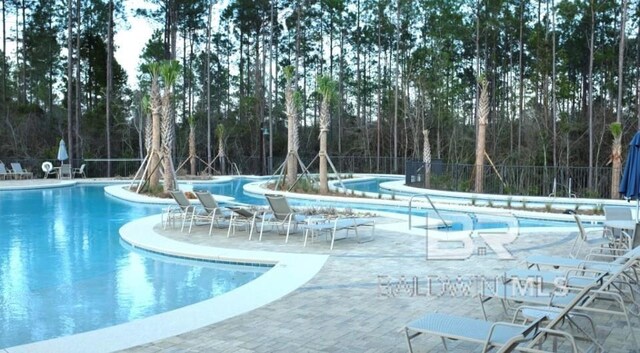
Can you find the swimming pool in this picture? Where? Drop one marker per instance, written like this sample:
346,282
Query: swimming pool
64,271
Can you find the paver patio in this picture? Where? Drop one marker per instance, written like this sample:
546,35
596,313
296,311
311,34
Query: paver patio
344,308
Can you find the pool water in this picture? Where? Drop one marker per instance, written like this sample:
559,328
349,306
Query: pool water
63,269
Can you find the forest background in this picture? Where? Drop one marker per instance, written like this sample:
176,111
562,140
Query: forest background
560,72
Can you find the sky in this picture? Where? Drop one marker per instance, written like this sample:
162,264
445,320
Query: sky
129,41
129,38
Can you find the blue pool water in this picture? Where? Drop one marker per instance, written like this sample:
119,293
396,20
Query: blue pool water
63,269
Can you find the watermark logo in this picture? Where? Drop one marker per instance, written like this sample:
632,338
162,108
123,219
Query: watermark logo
469,286
461,245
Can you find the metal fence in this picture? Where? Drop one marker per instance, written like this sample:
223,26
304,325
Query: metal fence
513,180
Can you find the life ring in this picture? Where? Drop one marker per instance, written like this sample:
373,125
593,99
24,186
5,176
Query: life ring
47,167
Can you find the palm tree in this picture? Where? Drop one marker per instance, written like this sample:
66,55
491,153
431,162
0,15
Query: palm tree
156,107
220,137
292,121
483,115
145,104
616,158
426,158
192,143
616,128
169,71
327,89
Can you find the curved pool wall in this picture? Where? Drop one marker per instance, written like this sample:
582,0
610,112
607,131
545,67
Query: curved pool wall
399,203
482,203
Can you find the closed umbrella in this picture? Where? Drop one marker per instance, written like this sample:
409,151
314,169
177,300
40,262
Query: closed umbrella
630,182
62,152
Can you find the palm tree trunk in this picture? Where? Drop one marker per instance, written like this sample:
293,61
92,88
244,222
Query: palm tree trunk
154,159
324,128
192,147
426,158
167,141
292,133
483,114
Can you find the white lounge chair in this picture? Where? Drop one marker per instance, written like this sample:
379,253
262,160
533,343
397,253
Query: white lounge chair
493,334
65,171
211,211
604,262
183,210
606,288
79,171
617,213
603,239
242,217
4,173
314,228
19,172
283,217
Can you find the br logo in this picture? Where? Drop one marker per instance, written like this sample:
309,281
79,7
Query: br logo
461,245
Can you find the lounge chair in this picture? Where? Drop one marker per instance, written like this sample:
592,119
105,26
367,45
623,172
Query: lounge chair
79,171
4,173
604,239
243,217
493,334
183,210
604,262
48,169
331,226
283,217
616,213
607,288
65,171
19,172
211,212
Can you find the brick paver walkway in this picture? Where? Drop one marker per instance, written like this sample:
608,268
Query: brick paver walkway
345,308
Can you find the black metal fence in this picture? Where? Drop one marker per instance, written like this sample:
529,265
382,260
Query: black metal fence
504,179
515,180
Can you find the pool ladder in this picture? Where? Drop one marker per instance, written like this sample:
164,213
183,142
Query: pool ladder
432,206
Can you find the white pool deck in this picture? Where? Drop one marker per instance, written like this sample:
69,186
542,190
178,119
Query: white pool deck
314,300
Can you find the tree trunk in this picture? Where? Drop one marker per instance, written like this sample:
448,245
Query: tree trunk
70,80
109,86
483,114
616,147
154,159
590,96
616,166
553,84
426,158
192,146
167,141
324,128
292,133
209,89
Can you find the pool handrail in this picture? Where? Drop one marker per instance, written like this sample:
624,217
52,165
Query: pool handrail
432,206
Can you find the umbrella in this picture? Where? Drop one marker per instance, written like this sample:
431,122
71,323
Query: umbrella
62,152
630,182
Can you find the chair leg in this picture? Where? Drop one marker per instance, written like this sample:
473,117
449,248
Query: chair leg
286,239
213,217
261,229
253,222
193,215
